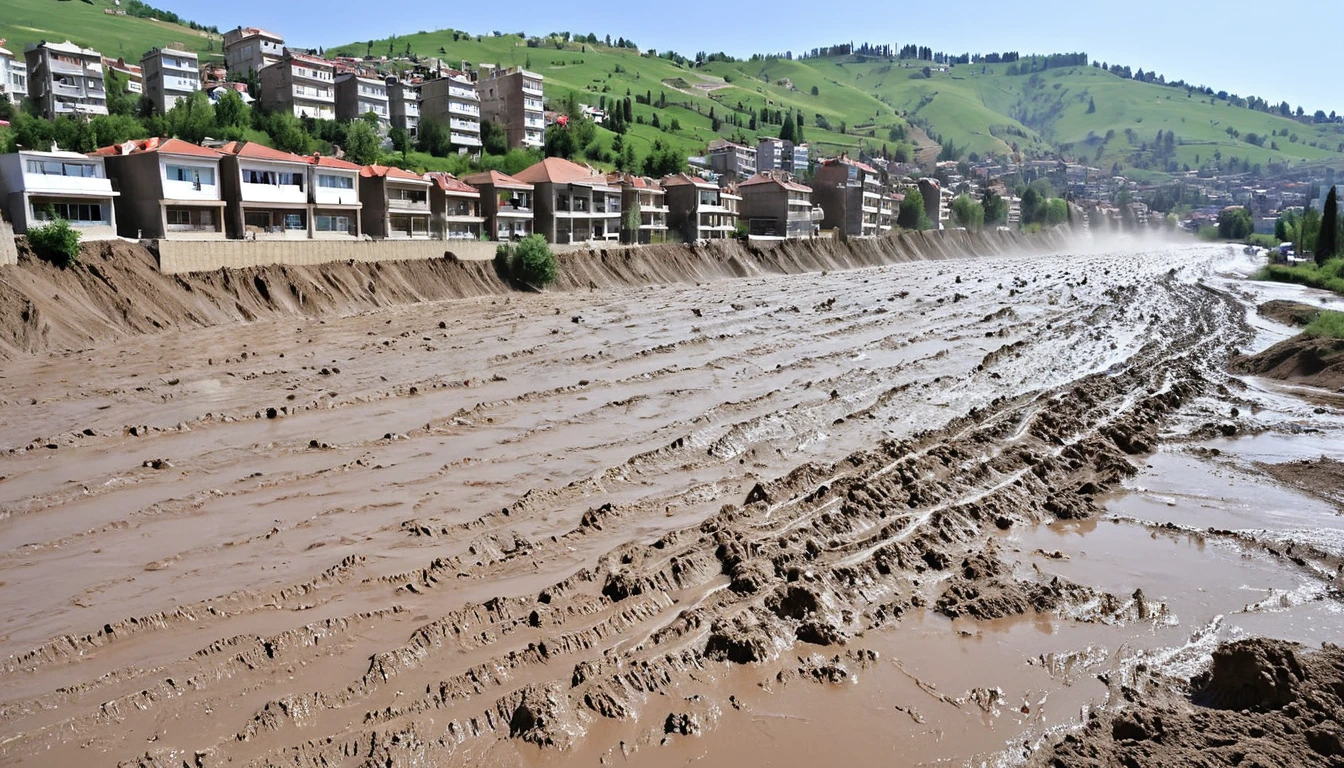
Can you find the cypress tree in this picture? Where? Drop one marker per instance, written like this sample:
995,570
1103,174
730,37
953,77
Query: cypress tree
1326,241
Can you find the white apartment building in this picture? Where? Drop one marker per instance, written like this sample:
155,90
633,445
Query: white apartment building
454,102
358,96
171,75
302,84
37,185
65,80
404,106
13,77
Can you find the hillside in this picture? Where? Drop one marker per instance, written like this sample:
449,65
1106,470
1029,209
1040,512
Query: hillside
86,23
1083,113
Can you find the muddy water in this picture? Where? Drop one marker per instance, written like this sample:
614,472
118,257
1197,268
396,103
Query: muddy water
530,528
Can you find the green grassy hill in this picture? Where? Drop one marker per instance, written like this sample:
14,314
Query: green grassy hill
85,22
979,109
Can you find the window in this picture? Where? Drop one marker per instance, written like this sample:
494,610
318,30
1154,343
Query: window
58,168
327,181
333,223
294,221
179,217
197,176
291,179
74,213
253,176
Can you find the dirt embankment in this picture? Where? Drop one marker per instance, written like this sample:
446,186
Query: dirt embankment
117,288
1263,703
1293,313
1309,360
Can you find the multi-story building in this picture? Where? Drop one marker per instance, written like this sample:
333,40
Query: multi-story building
36,186
512,99
404,106
731,159
302,84
646,195
574,202
932,193
171,75
65,80
333,195
770,156
455,207
396,203
13,77
132,74
265,192
357,96
850,195
797,159
251,49
169,189
506,204
454,103
774,206
698,209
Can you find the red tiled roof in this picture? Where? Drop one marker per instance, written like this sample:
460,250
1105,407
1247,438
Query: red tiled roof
497,179
682,179
450,183
309,59
389,172
557,170
256,151
638,182
166,146
326,161
764,178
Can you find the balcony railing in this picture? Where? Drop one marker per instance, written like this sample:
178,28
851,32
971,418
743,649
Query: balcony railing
463,109
466,126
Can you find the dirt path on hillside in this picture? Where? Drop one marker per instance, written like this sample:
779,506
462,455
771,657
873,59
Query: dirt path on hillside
783,517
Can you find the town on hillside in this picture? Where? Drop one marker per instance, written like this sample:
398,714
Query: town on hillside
252,187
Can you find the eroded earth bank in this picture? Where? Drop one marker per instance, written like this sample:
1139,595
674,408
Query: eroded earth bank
983,510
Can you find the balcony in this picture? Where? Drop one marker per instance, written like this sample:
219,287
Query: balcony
464,139
454,108
534,105
464,126
464,93
532,89
533,122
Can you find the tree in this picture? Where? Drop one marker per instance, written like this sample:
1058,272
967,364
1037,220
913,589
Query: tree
966,212
1033,206
630,220
1091,106
815,91
1327,242
120,101
786,130
232,112
1235,223
494,139
400,139
912,214
995,209
191,119
532,263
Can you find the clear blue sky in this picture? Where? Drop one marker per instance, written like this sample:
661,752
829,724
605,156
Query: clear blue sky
1275,50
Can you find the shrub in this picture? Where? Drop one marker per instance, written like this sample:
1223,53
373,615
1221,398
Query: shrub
1327,324
56,242
532,262
503,254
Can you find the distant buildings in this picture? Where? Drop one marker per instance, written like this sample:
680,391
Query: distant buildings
776,207
357,96
13,77
301,84
171,75
698,209
251,49
66,80
574,203
403,104
731,159
132,74
34,186
506,204
454,103
512,99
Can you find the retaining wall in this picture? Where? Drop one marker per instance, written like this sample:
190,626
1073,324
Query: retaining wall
9,251
183,256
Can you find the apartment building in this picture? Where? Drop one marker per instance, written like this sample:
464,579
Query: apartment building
454,102
731,159
934,206
396,203
13,77
649,197
169,189
251,49
574,203
698,209
171,75
302,84
357,96
131,73
65,80
455,208
34,186
850,195
265,192
403,105
333,197
506,204
774,206
770,156
797,158
512,99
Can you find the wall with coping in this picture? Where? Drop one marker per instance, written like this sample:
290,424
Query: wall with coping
181,256
9,251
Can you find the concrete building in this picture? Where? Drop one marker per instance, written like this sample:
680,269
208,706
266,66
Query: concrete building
357,96
698,209
403,105
65,80
506,204
774,206
333,197
850,195
770,156
171,75
302,84
265,192
574,203
797,159
454,103
731,159
251,49
35,185
649,197
131,73
396,203
512,99
455,207
13,77
169,189
932,193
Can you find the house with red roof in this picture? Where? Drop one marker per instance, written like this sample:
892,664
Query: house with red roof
455,208
699,209
395,203
575,203
773,205
265,192
646,195
169,189
506,204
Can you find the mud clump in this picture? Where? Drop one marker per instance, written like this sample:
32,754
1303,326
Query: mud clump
1263,703
544,717
984,589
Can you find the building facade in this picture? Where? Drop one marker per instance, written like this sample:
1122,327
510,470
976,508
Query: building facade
265,193
506,204
171,75
698,209
574,203
454,103
13,77
396,203
403,105
36,186
131,73
773,206
169,189
731,159
251,49
455,207
65,80
513,100
301,84
770,156
333,194
797,159
648,197
357,96
850,195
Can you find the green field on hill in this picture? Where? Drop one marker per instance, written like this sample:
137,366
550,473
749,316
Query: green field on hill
86,23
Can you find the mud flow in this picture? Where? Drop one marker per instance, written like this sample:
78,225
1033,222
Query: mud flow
975,511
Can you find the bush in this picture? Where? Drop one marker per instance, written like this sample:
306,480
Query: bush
1327,324
56,242
503,254
532,263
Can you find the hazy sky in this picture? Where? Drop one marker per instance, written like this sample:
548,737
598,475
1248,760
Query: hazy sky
1275,50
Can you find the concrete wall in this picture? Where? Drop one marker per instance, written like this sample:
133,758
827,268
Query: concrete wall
180,256
9,252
